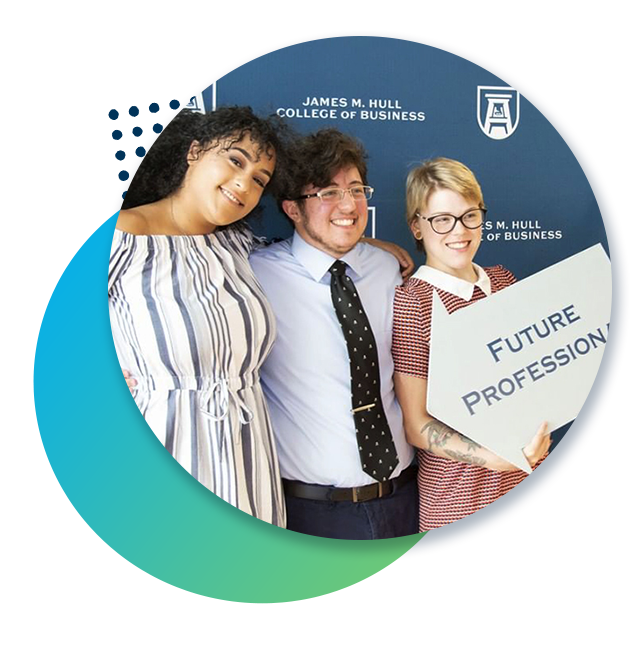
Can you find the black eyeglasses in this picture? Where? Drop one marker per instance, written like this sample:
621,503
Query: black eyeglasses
336,195
445,223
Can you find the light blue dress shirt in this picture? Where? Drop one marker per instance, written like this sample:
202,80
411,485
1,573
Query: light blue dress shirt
306,377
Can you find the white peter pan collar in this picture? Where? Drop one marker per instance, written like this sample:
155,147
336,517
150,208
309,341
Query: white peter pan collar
454,285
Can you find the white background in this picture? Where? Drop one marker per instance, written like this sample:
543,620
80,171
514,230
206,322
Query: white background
47,58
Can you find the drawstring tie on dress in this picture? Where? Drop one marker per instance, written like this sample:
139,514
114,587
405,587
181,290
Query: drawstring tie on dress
226,393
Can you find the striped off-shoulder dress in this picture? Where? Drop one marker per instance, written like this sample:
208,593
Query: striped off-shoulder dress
192,324
450,490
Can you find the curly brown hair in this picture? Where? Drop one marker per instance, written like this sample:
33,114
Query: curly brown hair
319,156
163,169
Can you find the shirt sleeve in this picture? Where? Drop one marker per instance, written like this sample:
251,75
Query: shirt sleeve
510,278
119,258
252,242
500,277
410,347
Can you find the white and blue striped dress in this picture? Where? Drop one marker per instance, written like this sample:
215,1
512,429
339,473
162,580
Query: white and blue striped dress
192,324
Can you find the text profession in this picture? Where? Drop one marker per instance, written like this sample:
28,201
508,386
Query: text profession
563,356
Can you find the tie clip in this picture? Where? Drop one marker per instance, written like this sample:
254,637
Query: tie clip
368,407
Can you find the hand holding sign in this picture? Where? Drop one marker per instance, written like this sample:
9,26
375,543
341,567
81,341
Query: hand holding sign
531,352
539,445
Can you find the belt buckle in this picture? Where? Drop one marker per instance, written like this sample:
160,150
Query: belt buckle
356,494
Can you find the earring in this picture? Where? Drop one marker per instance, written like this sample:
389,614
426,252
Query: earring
418,235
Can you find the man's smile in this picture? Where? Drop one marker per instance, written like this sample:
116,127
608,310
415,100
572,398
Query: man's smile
345,222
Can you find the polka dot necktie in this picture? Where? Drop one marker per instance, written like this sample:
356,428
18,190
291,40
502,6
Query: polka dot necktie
374,439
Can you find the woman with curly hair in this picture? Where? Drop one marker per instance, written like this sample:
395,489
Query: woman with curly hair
189,320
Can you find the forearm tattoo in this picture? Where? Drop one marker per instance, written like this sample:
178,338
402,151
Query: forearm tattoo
467,458
438,437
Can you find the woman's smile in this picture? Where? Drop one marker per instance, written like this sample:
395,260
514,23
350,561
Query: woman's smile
458,245
454,251
231,197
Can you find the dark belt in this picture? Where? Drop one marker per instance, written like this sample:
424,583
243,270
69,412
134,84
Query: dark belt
353,494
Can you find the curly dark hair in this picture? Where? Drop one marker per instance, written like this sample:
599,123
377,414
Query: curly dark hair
319,156
162,171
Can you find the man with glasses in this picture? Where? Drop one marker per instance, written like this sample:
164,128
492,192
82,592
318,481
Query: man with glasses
346,465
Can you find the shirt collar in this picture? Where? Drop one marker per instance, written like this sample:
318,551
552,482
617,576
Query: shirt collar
317,262
454,285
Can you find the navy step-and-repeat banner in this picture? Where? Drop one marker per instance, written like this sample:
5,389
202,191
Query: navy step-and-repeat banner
411,101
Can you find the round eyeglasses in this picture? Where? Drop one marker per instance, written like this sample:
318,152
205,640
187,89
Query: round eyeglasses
445,223
336,195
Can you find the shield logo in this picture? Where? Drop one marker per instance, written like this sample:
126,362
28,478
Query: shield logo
176,85
498,111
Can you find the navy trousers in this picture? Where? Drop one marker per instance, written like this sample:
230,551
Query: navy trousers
380,518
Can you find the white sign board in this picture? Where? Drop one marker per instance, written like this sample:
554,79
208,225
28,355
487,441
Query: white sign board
524,355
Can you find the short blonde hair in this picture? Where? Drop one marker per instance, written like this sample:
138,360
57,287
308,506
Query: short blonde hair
438,173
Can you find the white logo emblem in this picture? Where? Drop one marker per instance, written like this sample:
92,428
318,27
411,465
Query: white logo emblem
176,85
498,111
